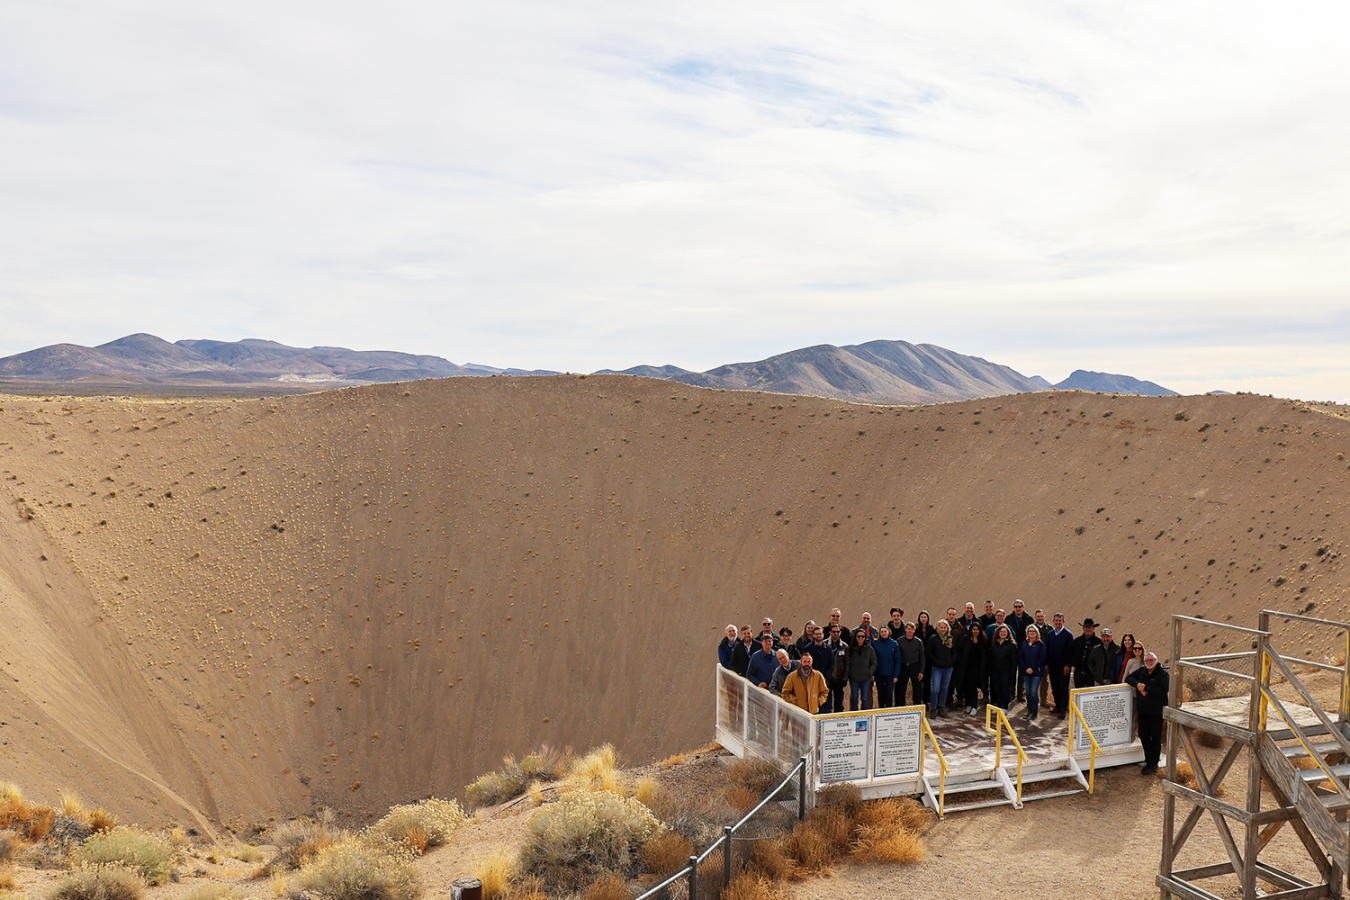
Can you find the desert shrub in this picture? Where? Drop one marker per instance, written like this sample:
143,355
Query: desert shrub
899,812
608,887
696,817
361,870
39,824
11,845
246,853
70,831
7,882
110,882
1208,739
14,810
678,758
214,892
1201,686
820,839
755,774
767,858
150,857
496,873
665,853
101,820
428,823
514,778
11,895
843,795
300,840
742,798
750,886
71,807
597,771
887,845
583,836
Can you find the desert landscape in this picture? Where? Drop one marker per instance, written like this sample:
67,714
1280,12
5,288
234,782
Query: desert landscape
225,612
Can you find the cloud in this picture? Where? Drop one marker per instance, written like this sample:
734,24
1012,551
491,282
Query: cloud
603,184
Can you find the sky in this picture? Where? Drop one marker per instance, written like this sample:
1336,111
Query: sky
1159,190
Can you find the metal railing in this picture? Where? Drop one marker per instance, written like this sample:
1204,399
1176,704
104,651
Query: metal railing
724,843
991,712
1268,699
942,765
1096,748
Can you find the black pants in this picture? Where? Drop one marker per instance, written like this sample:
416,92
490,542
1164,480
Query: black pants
909,676
1150,735
885,692
1000,685
1059,686
835,702
1082,678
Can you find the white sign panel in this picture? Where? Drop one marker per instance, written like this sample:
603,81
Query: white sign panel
1109,713
898,739
843,750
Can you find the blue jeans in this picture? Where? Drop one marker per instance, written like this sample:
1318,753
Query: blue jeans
1033,688
863,690
942,681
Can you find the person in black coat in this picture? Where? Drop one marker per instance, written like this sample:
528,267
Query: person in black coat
1002,667
971,660
1080,655
740,654
1151,684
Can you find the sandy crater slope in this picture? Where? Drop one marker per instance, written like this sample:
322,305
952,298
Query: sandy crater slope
221,609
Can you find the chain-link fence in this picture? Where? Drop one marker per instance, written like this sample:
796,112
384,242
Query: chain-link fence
706,875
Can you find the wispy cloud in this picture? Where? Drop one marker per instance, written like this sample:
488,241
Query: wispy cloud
689,184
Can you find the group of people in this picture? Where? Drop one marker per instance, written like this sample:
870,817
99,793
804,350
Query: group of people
961,661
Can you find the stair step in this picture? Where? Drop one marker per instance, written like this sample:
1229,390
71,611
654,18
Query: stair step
1322,748
1034,777
1340,770
1026,798
967,786
1333,802
980,804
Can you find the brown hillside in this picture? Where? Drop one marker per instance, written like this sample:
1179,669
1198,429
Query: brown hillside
365,596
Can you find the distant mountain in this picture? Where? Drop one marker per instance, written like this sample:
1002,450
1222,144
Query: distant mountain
1101,382
875,372
146,359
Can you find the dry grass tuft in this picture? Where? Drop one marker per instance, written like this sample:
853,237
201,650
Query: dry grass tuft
665,853
496,873
150,857
597,771
644,789
887,844
898,812
755,774
750,886
7,882
699,818
673,760
361,870
546,764
11,845
214,892
742,798
767,858
104,883
39,824
1208,739
101,820
847,797
584,835
71,805
1186,776
301,840
609,887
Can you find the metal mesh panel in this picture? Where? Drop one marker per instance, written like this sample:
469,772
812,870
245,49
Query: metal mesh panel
794,735
761,732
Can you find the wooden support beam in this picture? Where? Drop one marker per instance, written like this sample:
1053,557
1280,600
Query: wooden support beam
1213,726
1225,833
1194,816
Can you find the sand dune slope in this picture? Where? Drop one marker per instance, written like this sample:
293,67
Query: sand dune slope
365,596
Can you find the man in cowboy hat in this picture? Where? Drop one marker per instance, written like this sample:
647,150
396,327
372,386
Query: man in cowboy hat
1081,652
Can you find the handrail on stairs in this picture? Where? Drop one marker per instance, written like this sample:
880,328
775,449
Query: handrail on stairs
990,712
942,763
1096,748
1268,699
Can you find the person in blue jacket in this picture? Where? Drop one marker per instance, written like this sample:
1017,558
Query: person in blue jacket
762,662
1031,666
1058,649
728,645
888,667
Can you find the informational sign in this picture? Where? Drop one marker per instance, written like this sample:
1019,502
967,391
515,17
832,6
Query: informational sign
898,743
843,749
1109,712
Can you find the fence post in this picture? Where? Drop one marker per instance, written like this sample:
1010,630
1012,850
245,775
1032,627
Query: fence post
726,856
693,878
801,789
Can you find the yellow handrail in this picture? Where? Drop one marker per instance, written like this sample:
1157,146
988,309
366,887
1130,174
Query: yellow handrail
1096,748
1302,738
942,761
997,731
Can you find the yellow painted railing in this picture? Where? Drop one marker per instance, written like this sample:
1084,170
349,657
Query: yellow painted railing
942,763
1096,748
996,729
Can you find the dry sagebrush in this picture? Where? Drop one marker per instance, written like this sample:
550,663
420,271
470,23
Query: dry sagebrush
300,840
150,857
111,882
362,870
427,823
584,836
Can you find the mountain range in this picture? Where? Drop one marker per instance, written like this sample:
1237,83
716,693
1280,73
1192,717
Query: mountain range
890,372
